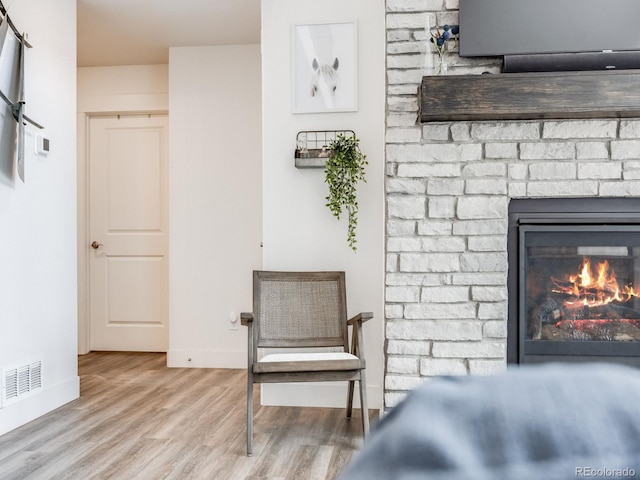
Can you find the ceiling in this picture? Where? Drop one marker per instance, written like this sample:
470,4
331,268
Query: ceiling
140,32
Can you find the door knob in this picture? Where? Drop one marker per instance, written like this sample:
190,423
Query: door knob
95,245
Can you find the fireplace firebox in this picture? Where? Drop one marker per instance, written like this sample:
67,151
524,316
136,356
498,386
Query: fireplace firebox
574,280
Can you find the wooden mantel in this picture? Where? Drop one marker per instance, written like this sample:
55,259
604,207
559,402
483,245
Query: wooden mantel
522,96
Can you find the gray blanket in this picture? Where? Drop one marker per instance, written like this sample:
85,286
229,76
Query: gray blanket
553,421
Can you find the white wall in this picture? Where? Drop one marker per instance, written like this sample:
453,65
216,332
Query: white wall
108,90
38,312
128,88
299,231
215,201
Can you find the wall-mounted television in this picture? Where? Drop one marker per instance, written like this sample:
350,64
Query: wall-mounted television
553,34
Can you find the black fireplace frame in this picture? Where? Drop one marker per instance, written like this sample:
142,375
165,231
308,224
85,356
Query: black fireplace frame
548,214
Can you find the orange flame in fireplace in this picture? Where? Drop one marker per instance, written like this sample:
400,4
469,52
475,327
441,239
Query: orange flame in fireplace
594,288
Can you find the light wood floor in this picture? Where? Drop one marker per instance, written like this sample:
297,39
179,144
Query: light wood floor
138,419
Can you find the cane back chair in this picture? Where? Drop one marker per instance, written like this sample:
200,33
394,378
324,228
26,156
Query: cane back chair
300,310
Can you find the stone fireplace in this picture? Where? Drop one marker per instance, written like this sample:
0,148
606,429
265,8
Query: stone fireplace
449,188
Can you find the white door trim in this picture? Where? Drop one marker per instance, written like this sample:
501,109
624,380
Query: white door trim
110,105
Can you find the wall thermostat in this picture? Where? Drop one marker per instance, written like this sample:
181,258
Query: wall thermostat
43,145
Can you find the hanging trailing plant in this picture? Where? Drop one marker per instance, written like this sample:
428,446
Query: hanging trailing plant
343,170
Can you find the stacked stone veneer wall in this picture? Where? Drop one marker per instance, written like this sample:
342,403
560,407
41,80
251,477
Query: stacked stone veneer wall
448,188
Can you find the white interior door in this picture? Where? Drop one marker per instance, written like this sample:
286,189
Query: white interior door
128,221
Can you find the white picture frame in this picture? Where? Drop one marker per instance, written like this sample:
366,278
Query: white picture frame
324,68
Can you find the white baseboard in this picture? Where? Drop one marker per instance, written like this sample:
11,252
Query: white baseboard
207,358
33,406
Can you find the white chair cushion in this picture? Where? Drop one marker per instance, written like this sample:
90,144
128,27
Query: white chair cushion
307,357
308,362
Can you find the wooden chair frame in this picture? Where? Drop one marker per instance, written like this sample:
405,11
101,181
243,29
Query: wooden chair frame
324,367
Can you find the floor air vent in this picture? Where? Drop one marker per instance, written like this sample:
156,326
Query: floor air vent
20,381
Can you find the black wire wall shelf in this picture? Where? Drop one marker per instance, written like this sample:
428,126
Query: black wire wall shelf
312,146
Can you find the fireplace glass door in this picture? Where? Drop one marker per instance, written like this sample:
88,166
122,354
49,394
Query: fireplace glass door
579,290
